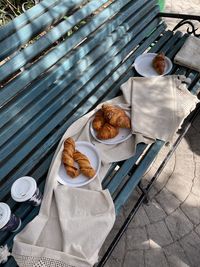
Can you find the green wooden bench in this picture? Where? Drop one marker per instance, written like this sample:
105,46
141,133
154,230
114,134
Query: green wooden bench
58,61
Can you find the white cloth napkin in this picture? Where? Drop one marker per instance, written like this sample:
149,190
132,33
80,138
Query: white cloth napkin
189,54
158,105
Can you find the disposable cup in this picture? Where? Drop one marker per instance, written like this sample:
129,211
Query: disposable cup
8,220
25,189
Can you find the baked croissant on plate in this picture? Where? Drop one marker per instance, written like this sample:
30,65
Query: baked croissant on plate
84,164
107,131
116,116
99,120
67,158
159,63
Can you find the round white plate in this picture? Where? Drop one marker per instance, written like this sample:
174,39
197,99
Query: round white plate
122,136
143,65
91,152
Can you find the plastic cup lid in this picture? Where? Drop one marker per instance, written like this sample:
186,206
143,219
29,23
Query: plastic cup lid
5,214
23,189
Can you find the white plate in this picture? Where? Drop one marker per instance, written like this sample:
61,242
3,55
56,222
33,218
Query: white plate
91,152
122,136
143,65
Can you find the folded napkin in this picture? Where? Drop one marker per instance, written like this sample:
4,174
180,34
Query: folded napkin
73,222
189,54
158,105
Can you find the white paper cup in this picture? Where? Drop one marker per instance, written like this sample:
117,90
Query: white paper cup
8,220
25,189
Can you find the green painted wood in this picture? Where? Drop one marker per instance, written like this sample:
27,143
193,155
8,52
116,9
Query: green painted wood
24,100
166,46
109,174
42,148
163,39
125,169
107,91
39,173
38,136
136,177
73,89
37,25
25,18
61,50
10,263
176,46
48,39
144,48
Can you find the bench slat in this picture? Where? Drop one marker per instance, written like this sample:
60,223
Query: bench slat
37,25
174,44
39,175
48,39
25,100
81,81
24,19
124,194
35,155
126,69
56,105
125,169
167,35
54,56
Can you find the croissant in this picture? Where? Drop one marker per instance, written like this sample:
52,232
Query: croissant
116,116
84,164
107,131
67,158
98,121
159,63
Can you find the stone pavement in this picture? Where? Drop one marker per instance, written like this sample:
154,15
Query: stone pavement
167,231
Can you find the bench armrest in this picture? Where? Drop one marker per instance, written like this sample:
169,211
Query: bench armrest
185,19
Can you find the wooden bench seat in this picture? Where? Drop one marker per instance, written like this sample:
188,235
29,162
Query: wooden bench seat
58,62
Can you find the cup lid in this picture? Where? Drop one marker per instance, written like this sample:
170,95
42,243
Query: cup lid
5,214
23,189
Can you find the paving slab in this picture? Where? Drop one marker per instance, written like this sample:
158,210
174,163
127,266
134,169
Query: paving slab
167,201
191,208
159,233
196,181
191,245
176,256
118,253
154,211
134,259
140,220
155,257
197,229
178,187
178,224
137,238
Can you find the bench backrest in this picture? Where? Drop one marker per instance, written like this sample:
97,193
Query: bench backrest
59,61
